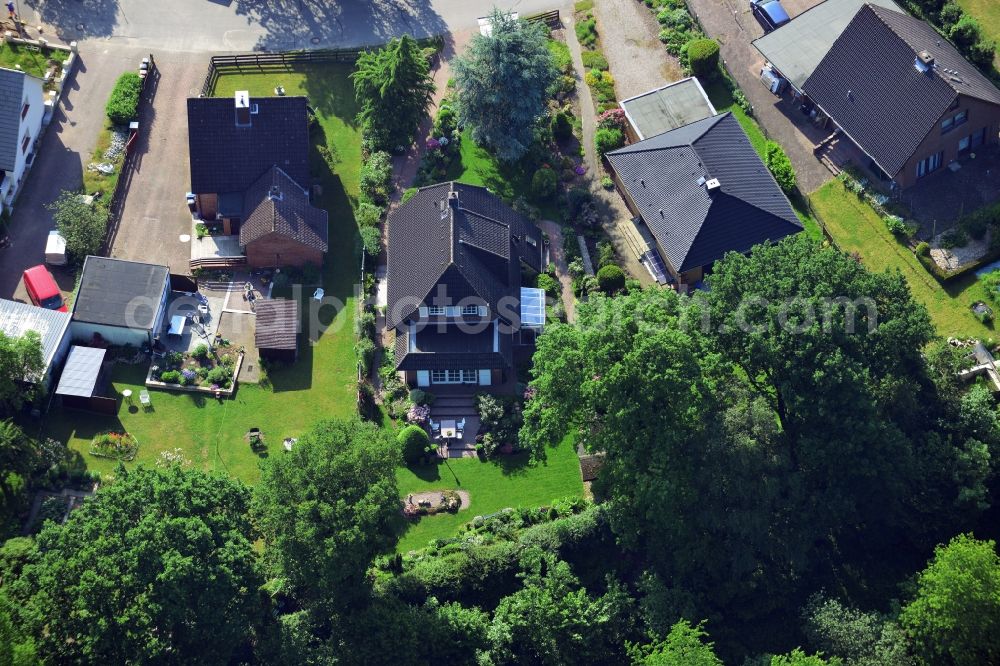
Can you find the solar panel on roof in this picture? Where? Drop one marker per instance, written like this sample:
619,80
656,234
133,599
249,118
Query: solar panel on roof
532,307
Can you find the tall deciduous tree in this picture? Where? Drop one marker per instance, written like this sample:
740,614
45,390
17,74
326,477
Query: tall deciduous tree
502,81
20,359
955,616
327,508
158,567
685,645
83,225
393,85
756,441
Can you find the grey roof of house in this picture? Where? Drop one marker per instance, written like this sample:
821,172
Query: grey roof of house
229,158
277,324
869,85
17,318
471,247
797,47
82,369
115,292
667,108
11,96
452,348
288,213
695,227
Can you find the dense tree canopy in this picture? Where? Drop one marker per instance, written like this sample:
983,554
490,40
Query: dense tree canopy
955,616
393,85
763,437
327,508
502,83
159,567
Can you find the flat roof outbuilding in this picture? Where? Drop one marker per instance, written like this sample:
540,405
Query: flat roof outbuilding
17,318
115,292
81,372
663,109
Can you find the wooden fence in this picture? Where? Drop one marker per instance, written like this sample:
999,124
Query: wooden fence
264,60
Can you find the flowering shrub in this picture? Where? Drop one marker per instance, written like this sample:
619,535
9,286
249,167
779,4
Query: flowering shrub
117,445
432,143
579,170
418,414
189,376
612,119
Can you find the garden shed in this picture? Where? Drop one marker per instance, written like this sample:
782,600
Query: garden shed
84,381
276,333
121,301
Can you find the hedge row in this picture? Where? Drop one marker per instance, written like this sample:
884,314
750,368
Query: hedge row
123,105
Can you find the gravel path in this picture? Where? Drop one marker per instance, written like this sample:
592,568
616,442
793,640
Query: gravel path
434,496
610,207
629,39
558,257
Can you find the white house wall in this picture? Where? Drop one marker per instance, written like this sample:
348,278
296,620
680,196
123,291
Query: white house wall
31,126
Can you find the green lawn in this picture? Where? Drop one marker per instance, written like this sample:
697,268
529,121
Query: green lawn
31,62
723,101
491,487
987,12
476,166
856,228
321,384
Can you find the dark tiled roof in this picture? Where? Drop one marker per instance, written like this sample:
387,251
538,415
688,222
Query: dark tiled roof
471,247
693,226
115,292
451,349
277,204
277,324
228,158
11,97
869,85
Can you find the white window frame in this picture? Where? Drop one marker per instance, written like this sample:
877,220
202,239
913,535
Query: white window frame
436,310
471,309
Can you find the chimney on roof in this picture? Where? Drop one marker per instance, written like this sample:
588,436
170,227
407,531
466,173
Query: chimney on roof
924,62
275,193
453,200
243,108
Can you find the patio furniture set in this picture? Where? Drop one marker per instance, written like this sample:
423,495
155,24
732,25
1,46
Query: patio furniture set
447,429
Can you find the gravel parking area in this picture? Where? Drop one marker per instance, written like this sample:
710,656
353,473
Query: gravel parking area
638,61
155,215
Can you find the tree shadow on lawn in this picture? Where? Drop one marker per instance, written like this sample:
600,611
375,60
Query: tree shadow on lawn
429,472
516,464
331,91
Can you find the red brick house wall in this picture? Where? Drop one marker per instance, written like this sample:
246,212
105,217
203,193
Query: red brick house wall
981,115
275,251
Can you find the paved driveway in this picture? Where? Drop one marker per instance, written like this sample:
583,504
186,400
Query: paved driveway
730,22
64,151
155,215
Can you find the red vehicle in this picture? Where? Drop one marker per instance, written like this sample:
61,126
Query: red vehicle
42,288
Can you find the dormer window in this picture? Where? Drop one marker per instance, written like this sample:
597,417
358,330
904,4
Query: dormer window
435,311
474,310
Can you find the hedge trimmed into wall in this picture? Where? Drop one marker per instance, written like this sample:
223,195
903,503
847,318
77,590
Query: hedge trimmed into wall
123,105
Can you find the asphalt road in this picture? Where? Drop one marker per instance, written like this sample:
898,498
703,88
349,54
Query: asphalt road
245,25
62,156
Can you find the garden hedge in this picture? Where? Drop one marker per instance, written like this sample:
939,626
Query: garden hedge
779,165
123,105
703,56
413,443
606,139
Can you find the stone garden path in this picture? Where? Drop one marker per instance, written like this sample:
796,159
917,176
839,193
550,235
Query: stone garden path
558,257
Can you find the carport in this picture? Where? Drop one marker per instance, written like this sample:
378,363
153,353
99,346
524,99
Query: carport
84,380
